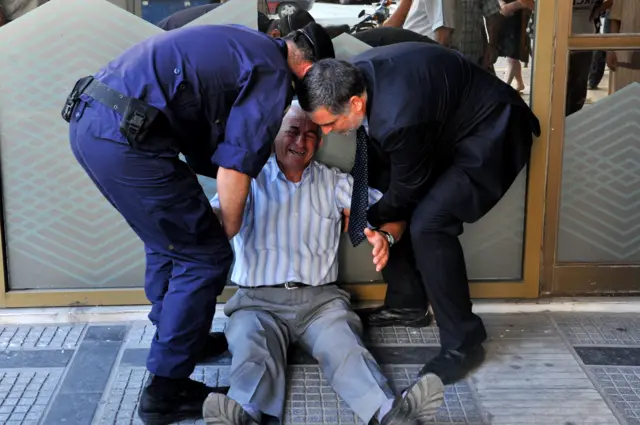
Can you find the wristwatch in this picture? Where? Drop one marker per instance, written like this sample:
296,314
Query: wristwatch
388,235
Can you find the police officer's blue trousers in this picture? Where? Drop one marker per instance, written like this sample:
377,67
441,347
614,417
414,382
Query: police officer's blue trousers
188,254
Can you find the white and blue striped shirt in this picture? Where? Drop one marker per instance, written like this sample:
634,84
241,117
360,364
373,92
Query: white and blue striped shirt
291,231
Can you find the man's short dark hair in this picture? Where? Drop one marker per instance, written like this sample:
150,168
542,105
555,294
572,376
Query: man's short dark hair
305,47
330,83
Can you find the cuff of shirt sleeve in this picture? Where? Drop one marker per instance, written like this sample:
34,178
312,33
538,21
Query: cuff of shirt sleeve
439,24
239,159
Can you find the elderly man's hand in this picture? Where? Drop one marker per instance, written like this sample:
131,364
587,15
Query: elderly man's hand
345,219
380,248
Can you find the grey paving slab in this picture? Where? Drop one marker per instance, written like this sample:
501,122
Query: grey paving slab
25,394
40,337
622,388
599,329
530,376
310,400
86,379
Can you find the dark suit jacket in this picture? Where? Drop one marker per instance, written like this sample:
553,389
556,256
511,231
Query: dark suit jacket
384,36
422,100
183,17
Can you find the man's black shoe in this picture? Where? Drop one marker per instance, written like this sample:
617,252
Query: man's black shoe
385,316
451,365
216,345
165,401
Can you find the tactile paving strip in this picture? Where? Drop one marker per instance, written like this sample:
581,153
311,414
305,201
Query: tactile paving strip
24,394
622,387
396,335
141,334
40,337
310,400
599,330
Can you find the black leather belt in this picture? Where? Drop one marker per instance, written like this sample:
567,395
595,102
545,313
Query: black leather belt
137,116
286,285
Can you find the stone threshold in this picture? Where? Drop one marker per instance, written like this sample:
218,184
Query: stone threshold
114,314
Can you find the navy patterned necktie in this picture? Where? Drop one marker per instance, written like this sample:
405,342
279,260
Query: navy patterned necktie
360,194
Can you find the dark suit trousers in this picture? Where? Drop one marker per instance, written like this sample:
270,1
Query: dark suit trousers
485,163
404,284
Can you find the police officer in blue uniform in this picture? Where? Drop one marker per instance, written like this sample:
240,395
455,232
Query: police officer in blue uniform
217,94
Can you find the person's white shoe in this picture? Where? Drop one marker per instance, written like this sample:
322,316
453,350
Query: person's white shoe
419,404
218,409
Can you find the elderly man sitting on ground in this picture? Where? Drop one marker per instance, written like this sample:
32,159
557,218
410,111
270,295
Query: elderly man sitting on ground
286,268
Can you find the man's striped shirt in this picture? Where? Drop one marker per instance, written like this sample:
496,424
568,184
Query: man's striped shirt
291,231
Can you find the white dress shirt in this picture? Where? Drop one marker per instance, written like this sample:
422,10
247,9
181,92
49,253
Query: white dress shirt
426,16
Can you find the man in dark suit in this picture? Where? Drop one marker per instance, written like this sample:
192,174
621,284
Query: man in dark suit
455,138
380,36
405,303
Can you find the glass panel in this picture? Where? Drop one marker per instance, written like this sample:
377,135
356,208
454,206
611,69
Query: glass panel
600,198
605,17
60,232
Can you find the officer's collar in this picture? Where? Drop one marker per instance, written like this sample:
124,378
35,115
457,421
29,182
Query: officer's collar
283,47
285,51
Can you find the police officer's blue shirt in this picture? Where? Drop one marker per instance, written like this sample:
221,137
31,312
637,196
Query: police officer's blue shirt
223,88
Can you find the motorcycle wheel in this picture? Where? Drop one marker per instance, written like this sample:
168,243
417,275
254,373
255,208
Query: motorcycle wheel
286,8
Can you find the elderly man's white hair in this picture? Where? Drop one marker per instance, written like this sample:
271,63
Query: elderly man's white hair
296,108
294,104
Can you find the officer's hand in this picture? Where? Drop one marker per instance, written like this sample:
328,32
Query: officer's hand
380,248
508,9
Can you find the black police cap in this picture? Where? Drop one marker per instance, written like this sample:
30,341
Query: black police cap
319,40
295,21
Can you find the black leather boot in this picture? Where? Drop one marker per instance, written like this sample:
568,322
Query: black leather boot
215,346
165,401
453,365
385,316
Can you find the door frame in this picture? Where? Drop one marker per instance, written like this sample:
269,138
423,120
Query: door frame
570,278
527,287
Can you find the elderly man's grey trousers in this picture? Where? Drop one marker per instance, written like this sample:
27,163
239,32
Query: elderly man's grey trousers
264,321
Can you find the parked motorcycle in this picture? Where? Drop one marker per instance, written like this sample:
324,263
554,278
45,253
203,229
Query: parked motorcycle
373,20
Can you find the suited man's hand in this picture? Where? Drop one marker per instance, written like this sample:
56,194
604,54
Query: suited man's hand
380,246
